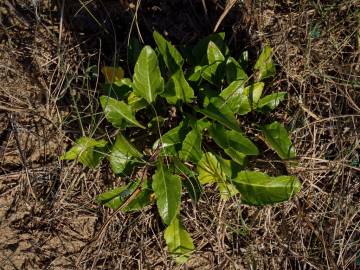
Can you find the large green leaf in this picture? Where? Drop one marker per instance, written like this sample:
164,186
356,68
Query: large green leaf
116,111
122,153
136,103
178,241
233,95
210,170
167,188
232,139
264,65
171,141
258,188
88,151
172,57
271,101
148,82
218,111
234,71
191,146
277,138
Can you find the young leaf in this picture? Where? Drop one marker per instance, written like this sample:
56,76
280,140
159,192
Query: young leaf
210,170
258,188
116,111
264,65
122,153
234,71
178,241
88,151
112,74
171,141
191,146
167,188
172,57
277,138
148,82
218,111
271,101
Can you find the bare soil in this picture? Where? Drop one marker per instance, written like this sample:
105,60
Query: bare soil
48,216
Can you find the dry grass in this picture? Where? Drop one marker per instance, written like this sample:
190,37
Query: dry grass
47,211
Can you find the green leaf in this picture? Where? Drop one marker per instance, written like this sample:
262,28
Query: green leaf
214,71
210,170
141,200
114,198
178,89
136,103
191,146
199,51
233,95
271,101
277,138
244,60
171,141
229,167
122,153
189,180
232,139
218,111
178,241
172,57
88,151
167,188
116,111
227,190
264,65
148,82
234,71
250,97
258,188
119,89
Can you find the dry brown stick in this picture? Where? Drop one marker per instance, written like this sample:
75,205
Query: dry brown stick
229,5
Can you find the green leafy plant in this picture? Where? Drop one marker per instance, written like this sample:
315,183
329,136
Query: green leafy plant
200,143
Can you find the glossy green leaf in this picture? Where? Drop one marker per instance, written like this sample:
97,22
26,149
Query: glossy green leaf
170,54
114,198
234,71
178,89
244,60
199,51
233,95
214,71
88,151
271,101
178,241
227,190
218,111
148,82
122,153
229,167
250,97
172,140
210,170
277,138
232,139
167,188
116,111
264,65
141,200
258,188
119,89
191,146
